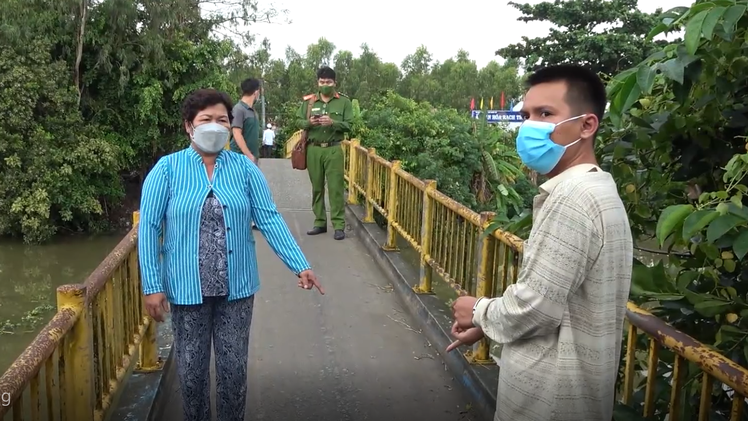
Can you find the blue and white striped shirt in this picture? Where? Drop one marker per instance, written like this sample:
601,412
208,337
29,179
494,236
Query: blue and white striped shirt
173,196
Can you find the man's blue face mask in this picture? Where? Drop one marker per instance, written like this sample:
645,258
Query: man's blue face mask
535,147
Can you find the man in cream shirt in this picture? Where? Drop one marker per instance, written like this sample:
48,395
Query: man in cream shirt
561,324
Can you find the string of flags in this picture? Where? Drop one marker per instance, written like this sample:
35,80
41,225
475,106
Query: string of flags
502,103
493,115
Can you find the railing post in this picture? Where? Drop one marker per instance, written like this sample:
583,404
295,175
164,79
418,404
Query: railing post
427,224
148,347
484,287
352,191
392,206
369,199
77,383
629,372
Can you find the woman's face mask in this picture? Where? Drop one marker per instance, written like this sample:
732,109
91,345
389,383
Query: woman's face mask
210,137
535,147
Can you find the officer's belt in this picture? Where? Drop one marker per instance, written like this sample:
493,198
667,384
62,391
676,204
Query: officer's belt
325,145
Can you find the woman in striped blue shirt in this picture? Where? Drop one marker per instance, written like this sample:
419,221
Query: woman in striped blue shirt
203,199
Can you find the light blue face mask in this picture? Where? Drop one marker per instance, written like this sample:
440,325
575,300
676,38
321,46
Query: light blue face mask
210,137
535,147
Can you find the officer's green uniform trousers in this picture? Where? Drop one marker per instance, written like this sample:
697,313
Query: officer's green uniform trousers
326,164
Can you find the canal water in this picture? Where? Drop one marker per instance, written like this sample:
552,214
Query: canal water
29,275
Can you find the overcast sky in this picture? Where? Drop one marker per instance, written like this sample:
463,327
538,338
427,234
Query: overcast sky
395,28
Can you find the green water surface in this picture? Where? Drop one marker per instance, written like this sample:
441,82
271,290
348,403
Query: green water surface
29,275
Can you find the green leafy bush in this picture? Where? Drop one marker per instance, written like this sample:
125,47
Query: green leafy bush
675,143
85,117
57,170
446,146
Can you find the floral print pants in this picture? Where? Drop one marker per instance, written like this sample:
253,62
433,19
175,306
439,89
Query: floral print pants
226,324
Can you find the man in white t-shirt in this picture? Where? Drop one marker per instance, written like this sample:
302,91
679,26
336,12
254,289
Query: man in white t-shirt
268,138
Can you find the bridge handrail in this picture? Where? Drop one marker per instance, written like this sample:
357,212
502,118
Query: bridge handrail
99,331
447,235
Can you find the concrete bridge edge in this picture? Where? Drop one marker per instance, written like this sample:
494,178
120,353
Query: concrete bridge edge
480,382
141,398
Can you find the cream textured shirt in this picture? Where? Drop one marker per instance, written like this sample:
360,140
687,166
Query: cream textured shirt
561,324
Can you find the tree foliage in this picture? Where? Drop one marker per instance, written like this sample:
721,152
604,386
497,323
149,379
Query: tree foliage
676,144
365,76
471,162
607,36
91,91
416,112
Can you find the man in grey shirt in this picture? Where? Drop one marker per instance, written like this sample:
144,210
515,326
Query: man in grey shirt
245,127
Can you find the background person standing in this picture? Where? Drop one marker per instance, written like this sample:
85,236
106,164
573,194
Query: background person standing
268,139
330,118
245,127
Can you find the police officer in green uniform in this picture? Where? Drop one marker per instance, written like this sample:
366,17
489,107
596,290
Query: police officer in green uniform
329,120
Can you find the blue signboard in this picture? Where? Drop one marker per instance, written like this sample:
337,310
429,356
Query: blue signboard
497,116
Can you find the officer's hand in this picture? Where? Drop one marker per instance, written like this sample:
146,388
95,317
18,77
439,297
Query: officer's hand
325,120
314,121
307,280
156,305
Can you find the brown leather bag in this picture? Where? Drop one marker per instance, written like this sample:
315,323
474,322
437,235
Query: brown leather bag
298,154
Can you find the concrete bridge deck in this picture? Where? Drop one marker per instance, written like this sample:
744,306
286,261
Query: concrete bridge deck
351,355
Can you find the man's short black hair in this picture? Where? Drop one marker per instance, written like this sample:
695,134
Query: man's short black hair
325,72
202,99
585,91
250,86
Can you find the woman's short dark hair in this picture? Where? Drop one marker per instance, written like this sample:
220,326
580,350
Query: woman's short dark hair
202,99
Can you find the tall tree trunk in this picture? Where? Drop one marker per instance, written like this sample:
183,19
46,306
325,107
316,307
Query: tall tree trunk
83,16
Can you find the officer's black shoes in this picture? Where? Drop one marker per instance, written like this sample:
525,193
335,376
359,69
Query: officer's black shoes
339,234
317,231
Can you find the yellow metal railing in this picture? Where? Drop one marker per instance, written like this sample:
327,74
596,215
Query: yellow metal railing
445,233
75,367
447,237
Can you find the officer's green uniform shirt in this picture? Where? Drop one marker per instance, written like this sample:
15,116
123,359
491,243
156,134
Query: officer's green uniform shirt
245,118
324,157
340,111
